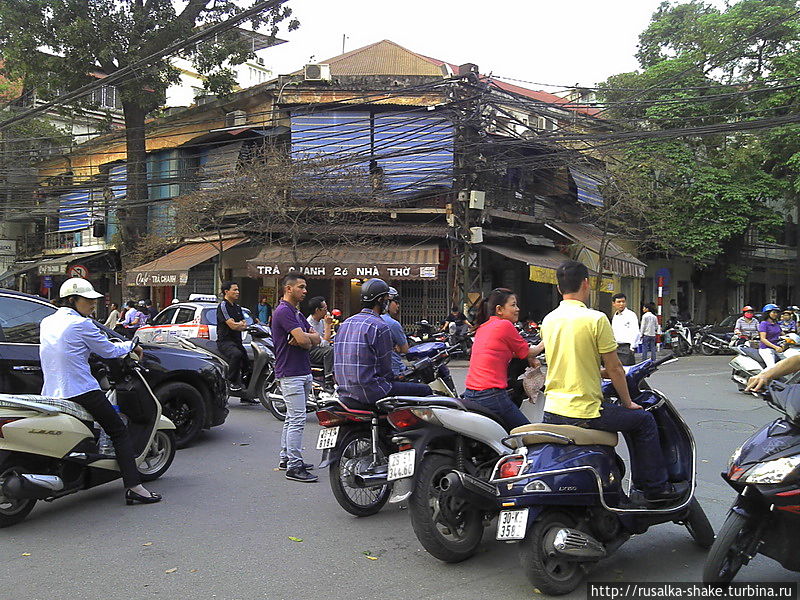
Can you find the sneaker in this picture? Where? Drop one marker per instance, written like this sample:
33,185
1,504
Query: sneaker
283,464
234,388
301,475
668,494
249,401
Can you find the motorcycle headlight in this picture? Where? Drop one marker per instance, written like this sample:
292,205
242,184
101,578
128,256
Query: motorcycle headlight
773,471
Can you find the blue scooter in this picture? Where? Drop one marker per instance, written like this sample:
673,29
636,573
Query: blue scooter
562,498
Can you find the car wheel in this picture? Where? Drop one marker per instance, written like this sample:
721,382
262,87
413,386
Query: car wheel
183,404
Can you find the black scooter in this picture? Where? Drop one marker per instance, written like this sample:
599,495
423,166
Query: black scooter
765,472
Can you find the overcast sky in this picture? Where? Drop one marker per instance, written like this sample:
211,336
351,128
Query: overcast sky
562,42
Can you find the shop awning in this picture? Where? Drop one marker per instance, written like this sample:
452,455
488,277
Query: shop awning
542,264
616,260
173,268
396,262
56,265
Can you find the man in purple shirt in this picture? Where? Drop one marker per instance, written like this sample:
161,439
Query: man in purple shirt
293,338
362,363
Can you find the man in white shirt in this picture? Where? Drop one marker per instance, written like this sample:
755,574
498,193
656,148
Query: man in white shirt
625,326
322,322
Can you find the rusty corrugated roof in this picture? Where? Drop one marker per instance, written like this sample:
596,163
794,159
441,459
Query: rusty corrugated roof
382,58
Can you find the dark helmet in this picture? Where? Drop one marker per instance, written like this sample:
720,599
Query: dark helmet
373,289
394,294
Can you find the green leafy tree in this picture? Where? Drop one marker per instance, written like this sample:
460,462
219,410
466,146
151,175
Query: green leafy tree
83,37
701,65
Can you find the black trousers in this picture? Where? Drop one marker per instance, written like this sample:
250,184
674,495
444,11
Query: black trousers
322,355
100,408
626,355
238,363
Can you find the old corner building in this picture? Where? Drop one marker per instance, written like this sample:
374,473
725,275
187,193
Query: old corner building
452,212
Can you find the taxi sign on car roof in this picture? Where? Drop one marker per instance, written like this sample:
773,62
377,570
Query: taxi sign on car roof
202,298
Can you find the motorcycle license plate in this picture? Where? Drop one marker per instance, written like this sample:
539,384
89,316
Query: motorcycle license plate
327,438
401,464
511,524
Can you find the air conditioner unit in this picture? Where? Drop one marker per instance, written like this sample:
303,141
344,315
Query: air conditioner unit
236,118
318,72
259,61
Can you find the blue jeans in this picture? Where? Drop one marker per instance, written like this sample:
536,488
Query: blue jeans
648,471
296,391
409,388
497,401
648,346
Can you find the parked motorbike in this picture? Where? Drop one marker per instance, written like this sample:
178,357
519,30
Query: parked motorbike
49,447
355,444
461,337
425,333
680,336
748,362
709,344
764,472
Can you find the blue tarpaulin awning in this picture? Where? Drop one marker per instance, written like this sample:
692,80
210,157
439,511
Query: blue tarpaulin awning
588,187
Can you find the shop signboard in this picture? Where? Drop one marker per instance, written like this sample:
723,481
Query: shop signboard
344,271
157,278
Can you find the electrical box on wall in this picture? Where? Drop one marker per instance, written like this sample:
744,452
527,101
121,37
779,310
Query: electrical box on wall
476,235
477,199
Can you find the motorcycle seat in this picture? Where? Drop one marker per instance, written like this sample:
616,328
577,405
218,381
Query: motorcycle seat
59,404
482,410
568,434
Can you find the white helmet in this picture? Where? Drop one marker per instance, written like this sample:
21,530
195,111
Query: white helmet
77,286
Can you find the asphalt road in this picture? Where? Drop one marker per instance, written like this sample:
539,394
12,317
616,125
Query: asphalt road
224,528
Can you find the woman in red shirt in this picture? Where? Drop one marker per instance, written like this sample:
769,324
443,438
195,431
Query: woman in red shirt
497,341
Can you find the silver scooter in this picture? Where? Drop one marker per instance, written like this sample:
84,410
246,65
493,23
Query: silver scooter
748,362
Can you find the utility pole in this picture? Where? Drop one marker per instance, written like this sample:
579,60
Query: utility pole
470,202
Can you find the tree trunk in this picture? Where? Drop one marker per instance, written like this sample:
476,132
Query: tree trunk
132,211
796,293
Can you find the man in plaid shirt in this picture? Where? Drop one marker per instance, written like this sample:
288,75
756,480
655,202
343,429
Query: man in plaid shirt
362,363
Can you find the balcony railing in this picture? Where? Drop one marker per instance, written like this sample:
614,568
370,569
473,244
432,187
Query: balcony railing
57,240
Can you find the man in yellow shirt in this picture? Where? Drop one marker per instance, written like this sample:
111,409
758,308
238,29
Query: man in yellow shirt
576,339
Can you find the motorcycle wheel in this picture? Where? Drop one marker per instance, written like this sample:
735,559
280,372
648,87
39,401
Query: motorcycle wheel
726,556
12,511
708,350
268,385
698,525
678,347
545,569
159,456
358,501
183,405
448,528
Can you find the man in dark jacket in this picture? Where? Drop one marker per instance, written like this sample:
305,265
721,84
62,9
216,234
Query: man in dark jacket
230,325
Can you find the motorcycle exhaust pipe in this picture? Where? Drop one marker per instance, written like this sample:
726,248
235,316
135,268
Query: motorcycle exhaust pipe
476,492
369,478
576,545
28,486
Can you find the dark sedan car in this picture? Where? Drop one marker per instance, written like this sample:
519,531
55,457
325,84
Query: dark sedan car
191,386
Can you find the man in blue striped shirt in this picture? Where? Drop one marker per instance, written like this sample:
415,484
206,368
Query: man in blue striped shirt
362,362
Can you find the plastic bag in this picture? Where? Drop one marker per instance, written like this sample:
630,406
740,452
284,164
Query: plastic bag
533,383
